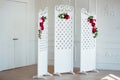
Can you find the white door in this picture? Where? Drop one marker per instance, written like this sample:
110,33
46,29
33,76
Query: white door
6,34
13,34
20,32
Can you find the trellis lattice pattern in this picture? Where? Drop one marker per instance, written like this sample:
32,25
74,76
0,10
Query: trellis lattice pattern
88,45
64,31
87,40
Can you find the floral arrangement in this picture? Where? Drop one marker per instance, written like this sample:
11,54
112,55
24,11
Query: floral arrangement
64,16
41,24
92,21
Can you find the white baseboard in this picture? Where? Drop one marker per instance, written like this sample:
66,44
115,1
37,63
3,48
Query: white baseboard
108,66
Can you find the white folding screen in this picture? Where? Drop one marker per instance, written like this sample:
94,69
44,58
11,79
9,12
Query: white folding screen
88,45
43,46
64,40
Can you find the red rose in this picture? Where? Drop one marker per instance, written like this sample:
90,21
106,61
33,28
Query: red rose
67,16
43,19
91,20
93,24
94,30
41,26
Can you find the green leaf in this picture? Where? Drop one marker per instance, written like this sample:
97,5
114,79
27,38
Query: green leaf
39,36
95,35
90,17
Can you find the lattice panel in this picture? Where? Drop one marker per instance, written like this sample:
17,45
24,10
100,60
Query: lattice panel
64,29
43,45
87,40
88,45
64,38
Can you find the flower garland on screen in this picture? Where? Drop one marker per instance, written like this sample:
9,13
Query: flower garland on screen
64,16
92,21
41,25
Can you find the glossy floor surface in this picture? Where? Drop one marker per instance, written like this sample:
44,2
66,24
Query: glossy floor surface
26,73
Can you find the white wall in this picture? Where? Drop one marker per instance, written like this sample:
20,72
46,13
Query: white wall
79,4
108,42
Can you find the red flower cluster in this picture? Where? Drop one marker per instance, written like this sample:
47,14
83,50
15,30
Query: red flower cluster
64,16
92,21
42,23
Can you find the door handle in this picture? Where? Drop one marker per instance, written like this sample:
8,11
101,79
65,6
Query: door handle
15,38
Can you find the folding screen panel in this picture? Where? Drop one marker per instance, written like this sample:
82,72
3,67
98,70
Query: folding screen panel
64,39
88,45
42,44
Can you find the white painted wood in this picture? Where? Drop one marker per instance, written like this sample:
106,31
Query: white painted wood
64,38
43,46
14,35
88,45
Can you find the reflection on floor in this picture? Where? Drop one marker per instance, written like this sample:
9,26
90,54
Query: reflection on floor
26,73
